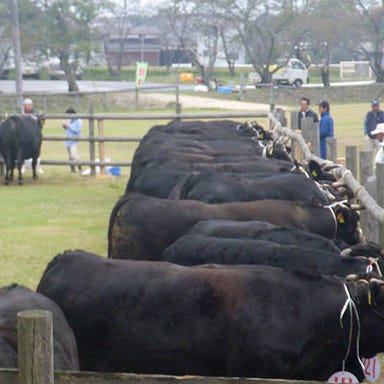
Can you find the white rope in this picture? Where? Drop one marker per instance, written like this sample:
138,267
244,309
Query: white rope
351,306
339,171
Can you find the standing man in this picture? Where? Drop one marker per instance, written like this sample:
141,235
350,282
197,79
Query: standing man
305,111
372,118
73,129
326,127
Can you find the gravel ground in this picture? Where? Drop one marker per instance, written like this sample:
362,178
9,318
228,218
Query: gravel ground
189,101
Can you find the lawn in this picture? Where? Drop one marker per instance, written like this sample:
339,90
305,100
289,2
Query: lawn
64,211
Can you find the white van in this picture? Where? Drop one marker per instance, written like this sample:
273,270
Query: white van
293,73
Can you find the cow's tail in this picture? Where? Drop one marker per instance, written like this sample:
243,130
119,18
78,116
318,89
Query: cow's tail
112,218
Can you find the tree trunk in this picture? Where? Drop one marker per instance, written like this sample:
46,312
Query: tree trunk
72,85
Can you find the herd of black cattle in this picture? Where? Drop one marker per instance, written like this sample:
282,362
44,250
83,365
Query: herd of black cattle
225,258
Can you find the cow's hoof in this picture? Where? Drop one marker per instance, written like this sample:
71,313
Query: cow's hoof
21,182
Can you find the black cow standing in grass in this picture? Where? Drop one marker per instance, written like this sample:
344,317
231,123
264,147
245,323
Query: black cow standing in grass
16,298
20,139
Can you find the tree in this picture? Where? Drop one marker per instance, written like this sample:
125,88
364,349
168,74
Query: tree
199,16
119,25
373,38
263,28
28,30
329,33
67,32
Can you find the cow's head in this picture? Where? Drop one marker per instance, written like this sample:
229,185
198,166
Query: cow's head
278,151
367,292
256,130
41,120
317,172
347,224
371,251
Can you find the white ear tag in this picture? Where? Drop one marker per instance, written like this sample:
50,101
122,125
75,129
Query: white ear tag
372,368
343,377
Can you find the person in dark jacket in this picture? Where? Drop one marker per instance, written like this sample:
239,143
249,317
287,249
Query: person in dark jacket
372,118
305,112
326,127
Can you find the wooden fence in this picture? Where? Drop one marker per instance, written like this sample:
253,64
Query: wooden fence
35,362
360,163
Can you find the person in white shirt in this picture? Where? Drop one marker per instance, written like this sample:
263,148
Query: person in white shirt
378,133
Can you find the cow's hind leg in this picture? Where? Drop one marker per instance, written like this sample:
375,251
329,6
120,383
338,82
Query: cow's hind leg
34,164
9,166
19,169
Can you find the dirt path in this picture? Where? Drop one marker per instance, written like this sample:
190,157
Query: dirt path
189,101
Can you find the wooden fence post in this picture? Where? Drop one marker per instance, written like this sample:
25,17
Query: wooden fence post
366,166
296,152
367,221
332,149
380,196
294,121
35,347
100,133
178,104
241,90
351,159
311,135
136,98
91,128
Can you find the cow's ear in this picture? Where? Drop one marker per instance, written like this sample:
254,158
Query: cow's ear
376,292
340,217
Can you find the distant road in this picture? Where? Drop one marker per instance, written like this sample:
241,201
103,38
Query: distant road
58,86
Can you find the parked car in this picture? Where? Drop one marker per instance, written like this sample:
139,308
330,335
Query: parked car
294,72
29,70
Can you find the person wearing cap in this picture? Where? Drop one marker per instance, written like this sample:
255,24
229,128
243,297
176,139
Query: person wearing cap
305,112
374,117
28,108
378,134
73,129
29,111
325,127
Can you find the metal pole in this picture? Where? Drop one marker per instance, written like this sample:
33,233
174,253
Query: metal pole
100,131
142,46
17,52
91,141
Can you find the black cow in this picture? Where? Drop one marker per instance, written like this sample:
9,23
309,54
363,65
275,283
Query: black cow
262,230
248,321
141,227
15,298
20,139
159,177
196,249
215,146
212,187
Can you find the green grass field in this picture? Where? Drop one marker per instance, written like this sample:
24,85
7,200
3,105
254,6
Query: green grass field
67,211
